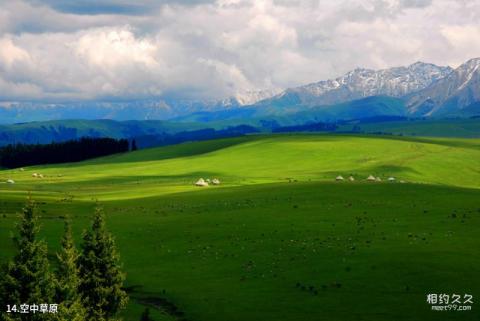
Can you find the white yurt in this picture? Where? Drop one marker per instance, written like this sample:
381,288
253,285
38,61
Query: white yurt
201,182
339,178
371,178
391,179
215,181
351,178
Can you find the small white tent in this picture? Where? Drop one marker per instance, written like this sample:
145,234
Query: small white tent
10,181
371,178
201,182
378,179
351,178
34,175
215,181
339,178
391,179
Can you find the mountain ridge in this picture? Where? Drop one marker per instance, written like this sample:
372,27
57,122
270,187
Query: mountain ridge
427,90
452,94
361,83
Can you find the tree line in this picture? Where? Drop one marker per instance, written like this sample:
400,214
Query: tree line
165,139
86,284
314,127
18,155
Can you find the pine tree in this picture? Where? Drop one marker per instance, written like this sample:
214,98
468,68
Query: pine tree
27,278
134,145
146,315
68,280
101,278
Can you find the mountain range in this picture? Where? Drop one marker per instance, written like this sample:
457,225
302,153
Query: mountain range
361,83
455,94
418,90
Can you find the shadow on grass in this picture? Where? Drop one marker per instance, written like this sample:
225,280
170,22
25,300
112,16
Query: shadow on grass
166,152
157,301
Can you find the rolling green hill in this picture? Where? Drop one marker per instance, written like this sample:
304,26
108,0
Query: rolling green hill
469,128
151,133
45,132
279,239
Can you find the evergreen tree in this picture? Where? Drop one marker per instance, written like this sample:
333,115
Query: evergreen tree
68,280
12,156
134,145
27,278
101,277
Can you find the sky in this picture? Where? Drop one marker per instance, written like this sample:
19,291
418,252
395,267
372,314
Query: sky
106,50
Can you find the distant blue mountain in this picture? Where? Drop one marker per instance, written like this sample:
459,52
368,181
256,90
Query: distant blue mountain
418,90
375,106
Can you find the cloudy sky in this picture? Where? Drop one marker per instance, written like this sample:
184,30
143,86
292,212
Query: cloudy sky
70,50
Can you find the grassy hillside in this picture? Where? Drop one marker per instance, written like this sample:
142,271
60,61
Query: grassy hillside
152,132
268,159
279,239
45,132
469,128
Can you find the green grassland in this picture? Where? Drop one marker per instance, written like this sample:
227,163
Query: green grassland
468,128
44,132
279,239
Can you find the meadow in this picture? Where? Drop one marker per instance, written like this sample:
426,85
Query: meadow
279,239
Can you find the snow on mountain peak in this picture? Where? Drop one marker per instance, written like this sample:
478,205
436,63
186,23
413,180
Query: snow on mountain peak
361,82
457,90
249,97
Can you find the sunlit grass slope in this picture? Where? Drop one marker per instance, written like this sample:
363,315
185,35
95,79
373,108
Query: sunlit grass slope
279,239
258,159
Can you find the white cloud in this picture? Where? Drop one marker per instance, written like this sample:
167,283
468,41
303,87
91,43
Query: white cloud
462,39
212,49
10,53
108,48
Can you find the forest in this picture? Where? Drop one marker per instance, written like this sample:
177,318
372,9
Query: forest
18,155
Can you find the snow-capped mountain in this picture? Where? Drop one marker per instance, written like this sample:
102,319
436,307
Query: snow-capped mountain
361,83
418,90
458,92
250,97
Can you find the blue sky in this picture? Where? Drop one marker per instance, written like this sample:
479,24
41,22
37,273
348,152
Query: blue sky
53,50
